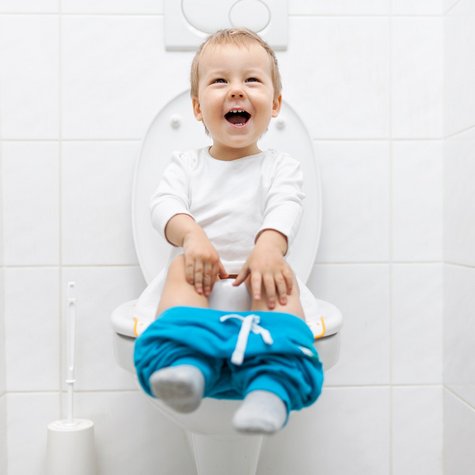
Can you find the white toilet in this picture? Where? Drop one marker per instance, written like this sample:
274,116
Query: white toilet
217,448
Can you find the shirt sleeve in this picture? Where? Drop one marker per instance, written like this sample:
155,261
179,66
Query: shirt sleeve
172,195
284,202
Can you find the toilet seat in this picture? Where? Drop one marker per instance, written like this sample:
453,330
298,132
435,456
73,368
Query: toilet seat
176,127
324,321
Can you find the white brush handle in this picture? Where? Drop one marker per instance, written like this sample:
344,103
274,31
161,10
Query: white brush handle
70,352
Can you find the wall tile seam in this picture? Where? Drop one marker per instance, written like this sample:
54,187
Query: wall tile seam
81,14
34,392
140,139
69,266
58,267
460,264
86,391
462,132
435,385
63,392
459,397
94,13
391,244
58,140
366,15
379,139
382,262
451,7
61,364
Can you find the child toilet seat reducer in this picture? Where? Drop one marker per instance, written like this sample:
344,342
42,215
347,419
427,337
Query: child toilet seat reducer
320,316
237,352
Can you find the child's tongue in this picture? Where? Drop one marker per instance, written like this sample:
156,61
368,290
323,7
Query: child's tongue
237,118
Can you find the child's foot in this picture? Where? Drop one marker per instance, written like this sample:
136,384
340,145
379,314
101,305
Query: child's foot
261,412
179,387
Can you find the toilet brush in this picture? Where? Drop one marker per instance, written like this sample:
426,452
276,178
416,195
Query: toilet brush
70,446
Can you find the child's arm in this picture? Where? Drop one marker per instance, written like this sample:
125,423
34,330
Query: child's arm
202,263
270,275
267,268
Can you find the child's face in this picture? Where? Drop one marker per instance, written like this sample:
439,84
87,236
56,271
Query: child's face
235,98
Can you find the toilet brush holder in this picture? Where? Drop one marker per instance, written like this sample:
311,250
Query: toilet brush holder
70,448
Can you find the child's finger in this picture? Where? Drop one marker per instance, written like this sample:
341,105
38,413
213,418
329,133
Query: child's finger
222,271
256,284
208,276
269,286
289,280
189,270
241,277
281,285
198,276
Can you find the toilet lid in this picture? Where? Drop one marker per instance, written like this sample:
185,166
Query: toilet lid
175,128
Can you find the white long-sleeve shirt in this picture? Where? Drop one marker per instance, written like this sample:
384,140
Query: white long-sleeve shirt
231,200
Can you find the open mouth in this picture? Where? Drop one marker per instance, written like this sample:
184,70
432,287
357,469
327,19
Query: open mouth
238,117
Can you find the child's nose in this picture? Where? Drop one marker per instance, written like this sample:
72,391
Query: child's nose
236,91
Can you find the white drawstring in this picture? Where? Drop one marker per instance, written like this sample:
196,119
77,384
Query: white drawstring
250,323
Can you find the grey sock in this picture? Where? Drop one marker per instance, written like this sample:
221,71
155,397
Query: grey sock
179,387
261,412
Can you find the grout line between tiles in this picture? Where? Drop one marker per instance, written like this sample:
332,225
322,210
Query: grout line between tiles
136,264
458,397
329,387
463,131
296,16
315,139
82,14
451,7
60,210
391,241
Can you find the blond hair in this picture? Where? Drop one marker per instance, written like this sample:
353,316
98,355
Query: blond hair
238,37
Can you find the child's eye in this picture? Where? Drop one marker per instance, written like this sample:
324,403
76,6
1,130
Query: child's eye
218,81
252,79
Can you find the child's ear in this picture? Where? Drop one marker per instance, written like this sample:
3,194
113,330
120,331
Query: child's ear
196,108
276,105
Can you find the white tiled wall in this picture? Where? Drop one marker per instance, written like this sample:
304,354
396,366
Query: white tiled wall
459,434
305,448
107,226
356,230
459,230
3,434
3,399
31,203
79,84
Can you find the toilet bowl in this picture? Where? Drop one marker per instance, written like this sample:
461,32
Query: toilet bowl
216,446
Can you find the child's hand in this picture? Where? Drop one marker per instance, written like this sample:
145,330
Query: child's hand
202,263
268,270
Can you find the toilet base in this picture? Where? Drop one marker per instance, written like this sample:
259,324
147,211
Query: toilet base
216,455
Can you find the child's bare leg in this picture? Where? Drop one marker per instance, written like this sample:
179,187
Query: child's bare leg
177,291
181,387
293,305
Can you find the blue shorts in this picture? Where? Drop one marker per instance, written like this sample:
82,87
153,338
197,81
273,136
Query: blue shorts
237,352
